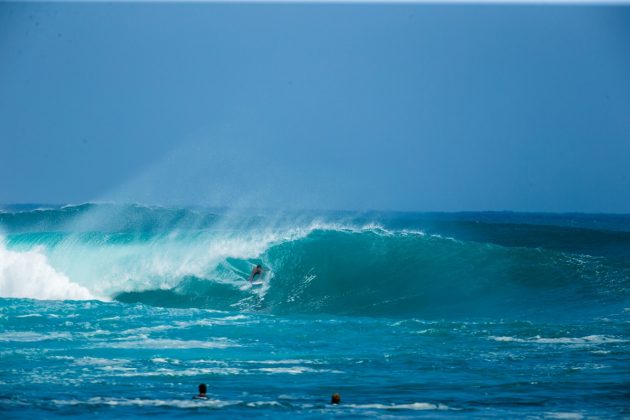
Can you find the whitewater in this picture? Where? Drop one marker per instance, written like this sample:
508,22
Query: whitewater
122,310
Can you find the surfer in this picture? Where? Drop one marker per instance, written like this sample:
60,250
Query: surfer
256,271
202,393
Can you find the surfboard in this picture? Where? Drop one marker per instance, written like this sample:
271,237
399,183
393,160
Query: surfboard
249,285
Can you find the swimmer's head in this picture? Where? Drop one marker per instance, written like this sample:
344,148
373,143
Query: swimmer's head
202,389
335,399
259,266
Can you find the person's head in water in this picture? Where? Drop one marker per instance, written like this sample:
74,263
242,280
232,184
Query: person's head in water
259,266
203,389
335,399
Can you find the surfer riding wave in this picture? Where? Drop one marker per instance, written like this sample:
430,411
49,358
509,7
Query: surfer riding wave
256,271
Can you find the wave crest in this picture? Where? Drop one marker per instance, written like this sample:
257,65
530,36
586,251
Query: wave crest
332,268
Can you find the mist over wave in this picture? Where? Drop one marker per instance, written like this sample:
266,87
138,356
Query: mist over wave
375,264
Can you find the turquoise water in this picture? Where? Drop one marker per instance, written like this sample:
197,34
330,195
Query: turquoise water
124,310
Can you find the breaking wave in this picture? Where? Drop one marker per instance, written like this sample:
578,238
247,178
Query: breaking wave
190,260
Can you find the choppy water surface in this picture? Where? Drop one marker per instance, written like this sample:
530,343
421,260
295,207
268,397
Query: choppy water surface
123,310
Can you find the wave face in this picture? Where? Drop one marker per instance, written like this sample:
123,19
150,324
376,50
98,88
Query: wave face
481,264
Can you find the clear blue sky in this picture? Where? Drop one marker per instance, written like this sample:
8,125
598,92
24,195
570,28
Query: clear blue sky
399,107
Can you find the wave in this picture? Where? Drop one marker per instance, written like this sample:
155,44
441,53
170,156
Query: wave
343,271
28,275
215,404
383,274
190,258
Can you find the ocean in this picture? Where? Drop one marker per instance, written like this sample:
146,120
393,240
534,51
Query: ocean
123,310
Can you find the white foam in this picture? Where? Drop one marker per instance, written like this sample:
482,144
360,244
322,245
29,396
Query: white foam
284,362
411,406
565,416
590,366
229,320
234,318
29,275
150,343
92,333
30,337
288,397
145,330
60,357
413,321
97,361
164,360
264,404
116,369
591,339
143,402
185,372
295,370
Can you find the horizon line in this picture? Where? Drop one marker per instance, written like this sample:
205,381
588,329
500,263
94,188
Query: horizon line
353,2
6,206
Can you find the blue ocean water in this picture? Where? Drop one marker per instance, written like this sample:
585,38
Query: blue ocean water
122,310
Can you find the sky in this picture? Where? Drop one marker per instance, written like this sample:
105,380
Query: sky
354,106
